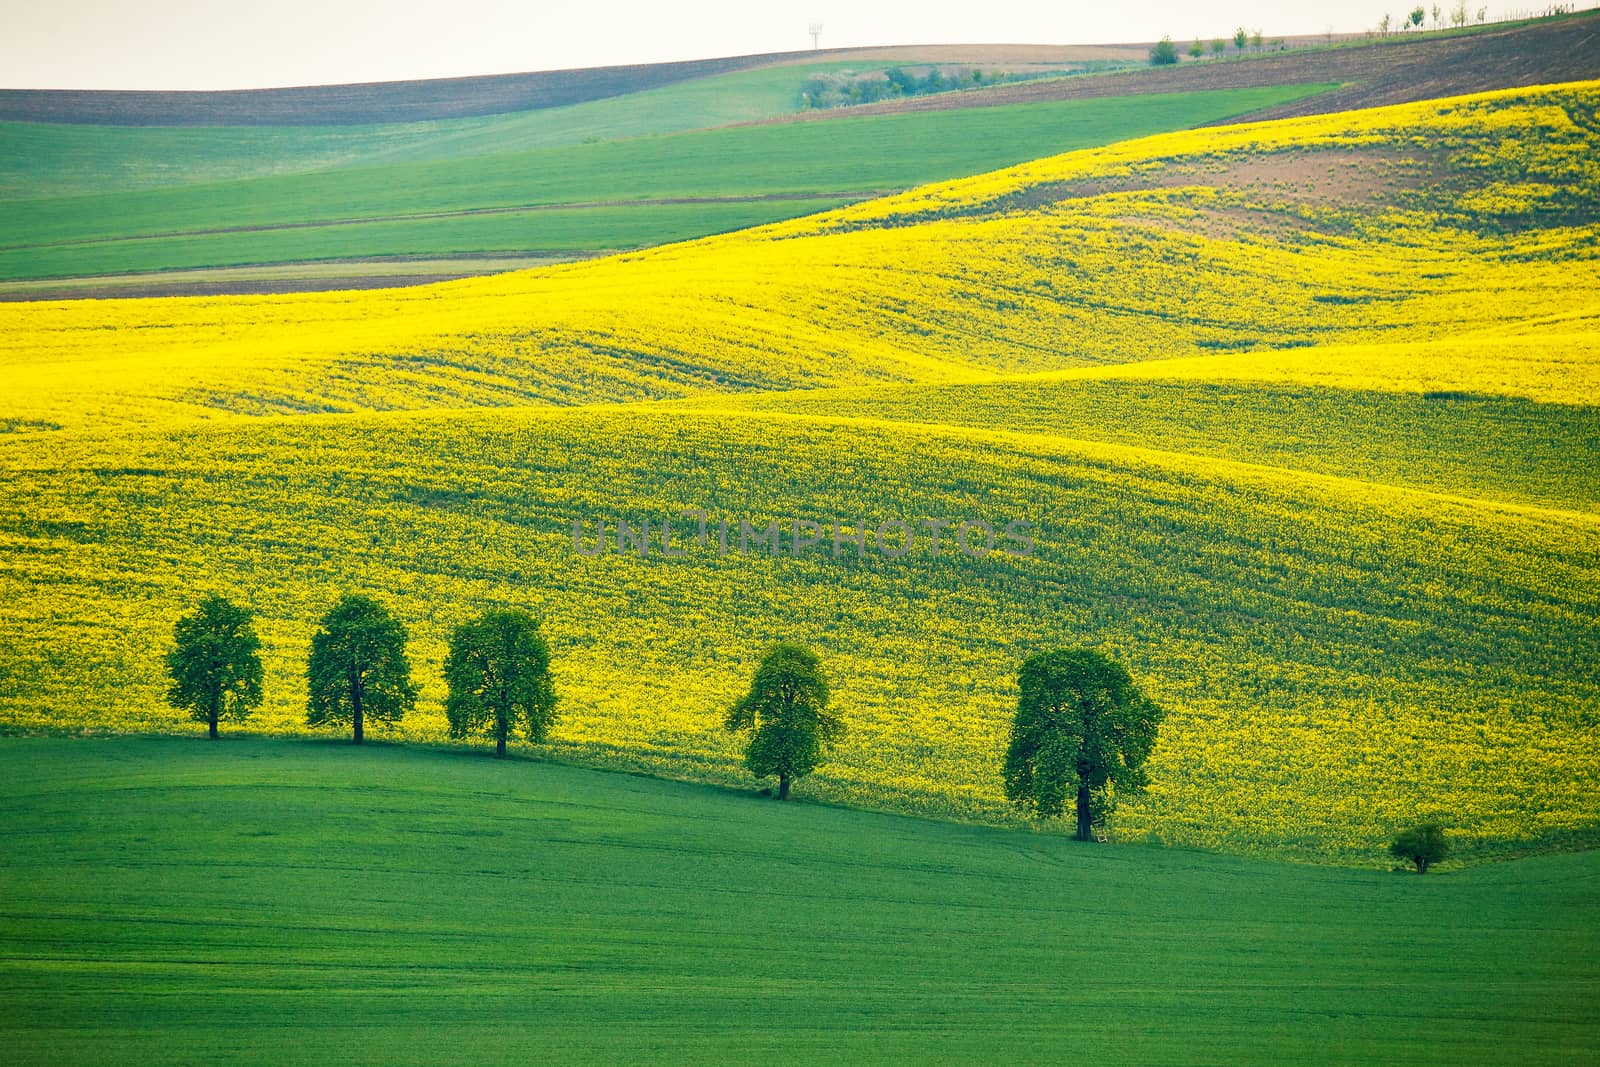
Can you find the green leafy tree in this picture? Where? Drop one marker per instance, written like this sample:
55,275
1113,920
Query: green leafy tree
1241,37
358,668
215,663
1422,846
498,674
1164,52
1082,733
1417,15
787,711
1197,49
1218,46
1255,40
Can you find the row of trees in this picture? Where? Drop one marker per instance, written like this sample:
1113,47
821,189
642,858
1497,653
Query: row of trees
1414,19
847,88
1165,52
497,670
1081,735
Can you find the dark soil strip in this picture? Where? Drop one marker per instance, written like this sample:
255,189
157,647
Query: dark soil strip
237,287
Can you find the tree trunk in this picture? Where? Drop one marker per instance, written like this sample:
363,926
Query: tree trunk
783,786
213,724
355,707
216,713
500,742
1085,817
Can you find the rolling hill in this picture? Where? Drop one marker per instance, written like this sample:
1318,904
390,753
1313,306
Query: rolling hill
417,181
1336,505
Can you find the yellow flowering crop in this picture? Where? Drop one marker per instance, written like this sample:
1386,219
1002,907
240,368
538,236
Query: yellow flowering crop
1302,416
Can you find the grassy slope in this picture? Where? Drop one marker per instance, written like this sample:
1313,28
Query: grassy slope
178,901
844,154
1340,654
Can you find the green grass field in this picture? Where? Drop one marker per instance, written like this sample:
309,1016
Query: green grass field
265,901
156,229
544,230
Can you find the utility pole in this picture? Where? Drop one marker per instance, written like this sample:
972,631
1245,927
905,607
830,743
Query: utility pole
816,35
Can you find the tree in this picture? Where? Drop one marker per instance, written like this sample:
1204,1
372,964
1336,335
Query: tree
1164,52
1197,50
1255,40
1083,731
1240,37
787,711
1422,846
1458,14
498,674
1417,15
358,668
1218,46
215,663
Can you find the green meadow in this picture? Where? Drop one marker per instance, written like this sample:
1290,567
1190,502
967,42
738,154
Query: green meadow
272,901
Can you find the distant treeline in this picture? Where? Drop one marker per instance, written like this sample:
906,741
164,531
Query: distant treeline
846,88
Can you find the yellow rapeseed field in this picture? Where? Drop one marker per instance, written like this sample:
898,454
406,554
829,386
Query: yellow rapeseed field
1301,418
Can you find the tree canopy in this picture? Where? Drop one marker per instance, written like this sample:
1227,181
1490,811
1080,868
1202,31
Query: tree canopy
1083,731
358,668
1422,846
787,711
215,663
498,675
1164,52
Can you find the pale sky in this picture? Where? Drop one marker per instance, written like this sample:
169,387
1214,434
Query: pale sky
189,44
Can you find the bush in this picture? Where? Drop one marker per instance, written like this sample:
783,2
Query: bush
1422,845
1164,52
